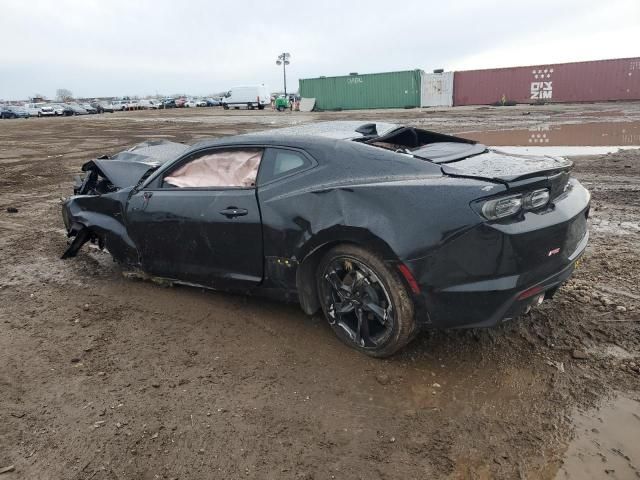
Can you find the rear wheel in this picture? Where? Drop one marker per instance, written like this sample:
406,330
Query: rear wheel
365,301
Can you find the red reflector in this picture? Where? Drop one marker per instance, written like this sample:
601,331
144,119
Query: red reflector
408,276
529,293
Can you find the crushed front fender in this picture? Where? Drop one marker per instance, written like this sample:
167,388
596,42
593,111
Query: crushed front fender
101,218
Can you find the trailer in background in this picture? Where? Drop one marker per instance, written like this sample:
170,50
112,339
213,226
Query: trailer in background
372,90
595,81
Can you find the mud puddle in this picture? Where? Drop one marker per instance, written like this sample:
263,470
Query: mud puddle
596,138
578,134
606,443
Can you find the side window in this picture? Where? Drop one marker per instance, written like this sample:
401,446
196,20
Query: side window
280,162
219,168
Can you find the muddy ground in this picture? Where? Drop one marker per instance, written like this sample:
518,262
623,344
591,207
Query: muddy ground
104,377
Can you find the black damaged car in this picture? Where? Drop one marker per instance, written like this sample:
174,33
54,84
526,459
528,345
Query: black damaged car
388,229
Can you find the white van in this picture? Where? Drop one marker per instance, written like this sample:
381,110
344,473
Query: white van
252,96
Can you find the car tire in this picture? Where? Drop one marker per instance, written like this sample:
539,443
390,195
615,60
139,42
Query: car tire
377,312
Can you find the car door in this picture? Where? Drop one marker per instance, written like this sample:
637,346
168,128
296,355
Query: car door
199,220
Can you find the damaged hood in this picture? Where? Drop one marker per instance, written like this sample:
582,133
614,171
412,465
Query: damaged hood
120,173
126,168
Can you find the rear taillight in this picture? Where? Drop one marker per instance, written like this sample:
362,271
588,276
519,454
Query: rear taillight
507,206
535,199
502,207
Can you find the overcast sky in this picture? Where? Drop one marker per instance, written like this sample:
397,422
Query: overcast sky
140,47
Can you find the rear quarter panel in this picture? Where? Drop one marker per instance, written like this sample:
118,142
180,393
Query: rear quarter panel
400,218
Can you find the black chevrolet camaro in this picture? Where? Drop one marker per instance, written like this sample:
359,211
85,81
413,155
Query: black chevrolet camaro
388,229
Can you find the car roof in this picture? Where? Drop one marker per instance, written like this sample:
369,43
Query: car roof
303,134
329,143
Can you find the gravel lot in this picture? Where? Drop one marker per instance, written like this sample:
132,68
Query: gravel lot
107,377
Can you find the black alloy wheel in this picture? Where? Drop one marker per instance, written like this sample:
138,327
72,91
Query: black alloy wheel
365,301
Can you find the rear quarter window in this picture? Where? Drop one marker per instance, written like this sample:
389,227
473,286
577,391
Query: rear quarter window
281,162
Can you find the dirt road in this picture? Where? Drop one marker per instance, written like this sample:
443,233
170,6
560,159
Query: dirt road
105,377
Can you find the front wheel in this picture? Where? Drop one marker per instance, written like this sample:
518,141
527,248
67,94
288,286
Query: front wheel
365,302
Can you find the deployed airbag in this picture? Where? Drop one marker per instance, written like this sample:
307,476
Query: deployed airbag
235,168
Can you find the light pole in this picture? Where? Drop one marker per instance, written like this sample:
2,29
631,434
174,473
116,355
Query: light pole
283,59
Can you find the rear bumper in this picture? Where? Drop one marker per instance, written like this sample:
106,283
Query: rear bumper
490,302
497,306
495,272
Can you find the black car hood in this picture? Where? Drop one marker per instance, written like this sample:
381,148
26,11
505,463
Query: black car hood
504,167
126,168
121,174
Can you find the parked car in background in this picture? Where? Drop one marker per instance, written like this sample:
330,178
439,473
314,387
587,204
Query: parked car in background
107,106
133,105
251,96
33,109
180,102
89,108
167,103
61,110
102,106
11,111
191,102
119,105
46,110
148,104
95,104
77,109
212,102
4,111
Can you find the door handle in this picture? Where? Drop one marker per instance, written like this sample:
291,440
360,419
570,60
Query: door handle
231,212
147,195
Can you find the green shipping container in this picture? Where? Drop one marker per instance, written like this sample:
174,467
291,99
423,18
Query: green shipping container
371,90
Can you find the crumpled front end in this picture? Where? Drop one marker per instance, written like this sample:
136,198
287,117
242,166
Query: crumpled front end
99,219
96,211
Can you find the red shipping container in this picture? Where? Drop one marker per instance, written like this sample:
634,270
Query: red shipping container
600,80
